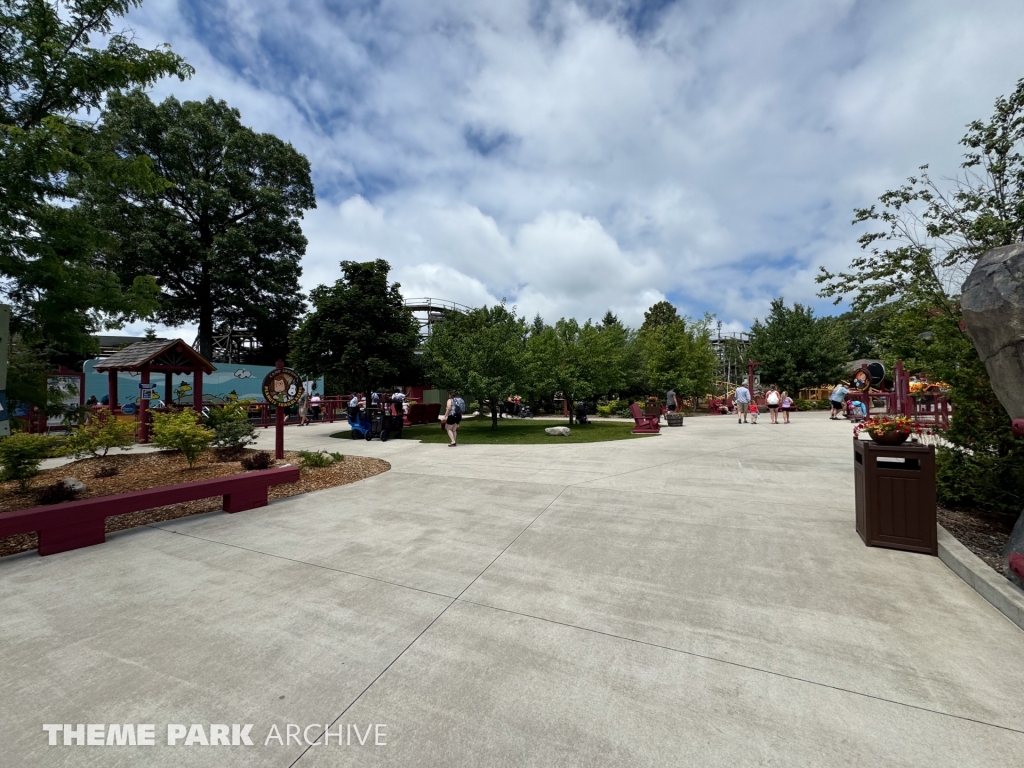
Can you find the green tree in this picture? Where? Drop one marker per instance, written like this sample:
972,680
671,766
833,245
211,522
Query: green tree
481,353
676,352
222,234
359,332
928,237
576,360
52,76
797,349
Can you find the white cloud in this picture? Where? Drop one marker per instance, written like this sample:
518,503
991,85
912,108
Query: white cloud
573,164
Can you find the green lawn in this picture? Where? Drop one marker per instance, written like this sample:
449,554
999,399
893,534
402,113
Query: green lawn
517,432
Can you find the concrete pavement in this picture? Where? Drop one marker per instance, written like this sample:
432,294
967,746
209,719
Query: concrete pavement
695,598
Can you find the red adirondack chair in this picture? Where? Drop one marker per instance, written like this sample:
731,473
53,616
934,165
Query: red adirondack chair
645,425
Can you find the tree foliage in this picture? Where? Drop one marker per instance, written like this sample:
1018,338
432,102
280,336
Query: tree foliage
481,354
675,352
797,349
52,78
580,361
221,234
359,331
929,237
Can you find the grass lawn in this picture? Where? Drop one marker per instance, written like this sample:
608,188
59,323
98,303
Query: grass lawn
517,432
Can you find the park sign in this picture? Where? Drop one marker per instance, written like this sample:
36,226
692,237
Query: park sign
5,350
282,387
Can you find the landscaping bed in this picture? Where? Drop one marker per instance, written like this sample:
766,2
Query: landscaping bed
985,535
139,471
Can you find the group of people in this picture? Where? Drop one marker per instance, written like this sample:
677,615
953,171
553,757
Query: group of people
512,407
308,404
394,403
775,401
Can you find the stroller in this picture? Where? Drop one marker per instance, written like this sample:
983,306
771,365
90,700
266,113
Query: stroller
525,412
581,414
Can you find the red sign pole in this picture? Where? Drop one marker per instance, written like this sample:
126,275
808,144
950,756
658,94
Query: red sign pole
279,413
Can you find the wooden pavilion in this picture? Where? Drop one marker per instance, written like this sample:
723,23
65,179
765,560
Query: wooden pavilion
147,357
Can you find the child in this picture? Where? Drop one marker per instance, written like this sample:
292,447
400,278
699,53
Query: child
753,412
787,406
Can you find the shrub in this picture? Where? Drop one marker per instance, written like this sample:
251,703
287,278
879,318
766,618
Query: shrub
259,460
318,459
181,432
231,428
58,493
98,435
108,471
812,405
20,455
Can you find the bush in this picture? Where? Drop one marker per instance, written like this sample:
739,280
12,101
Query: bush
108,471
318,459
259,460
181,432
812,405
231,428
20,455
58,493
98,435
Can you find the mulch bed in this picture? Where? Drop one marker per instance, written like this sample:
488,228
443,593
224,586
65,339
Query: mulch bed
985,535
139,471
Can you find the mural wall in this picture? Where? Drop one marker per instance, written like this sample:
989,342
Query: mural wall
227,383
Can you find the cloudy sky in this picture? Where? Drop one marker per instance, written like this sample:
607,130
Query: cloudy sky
575,157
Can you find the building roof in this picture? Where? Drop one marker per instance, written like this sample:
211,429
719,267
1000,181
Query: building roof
170,356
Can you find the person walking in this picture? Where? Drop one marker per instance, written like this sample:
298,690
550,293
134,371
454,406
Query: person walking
670,400
773,399
303,408
838,400
453,411
787,406
753,411
742,399
314,405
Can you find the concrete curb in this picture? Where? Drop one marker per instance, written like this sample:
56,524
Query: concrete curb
994,587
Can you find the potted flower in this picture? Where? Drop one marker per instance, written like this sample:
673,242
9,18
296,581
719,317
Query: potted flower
889,430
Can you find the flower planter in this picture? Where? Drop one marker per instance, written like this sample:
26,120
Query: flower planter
889,438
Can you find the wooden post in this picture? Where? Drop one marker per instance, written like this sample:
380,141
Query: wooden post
197,391
112,389
168,388
143,407
279,413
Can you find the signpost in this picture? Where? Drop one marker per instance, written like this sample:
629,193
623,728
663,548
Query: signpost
282,388
5,347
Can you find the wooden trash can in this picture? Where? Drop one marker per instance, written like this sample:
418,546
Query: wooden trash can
895,496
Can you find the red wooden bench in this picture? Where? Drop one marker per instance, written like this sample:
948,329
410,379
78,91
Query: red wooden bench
645,425
82,523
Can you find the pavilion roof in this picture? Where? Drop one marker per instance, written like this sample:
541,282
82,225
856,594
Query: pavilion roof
171,356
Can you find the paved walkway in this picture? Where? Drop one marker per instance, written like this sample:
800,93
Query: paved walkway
698,598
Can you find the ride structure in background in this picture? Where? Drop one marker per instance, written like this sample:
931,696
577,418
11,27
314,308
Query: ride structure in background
429,311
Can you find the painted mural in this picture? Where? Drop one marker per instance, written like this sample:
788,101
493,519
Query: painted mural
226,384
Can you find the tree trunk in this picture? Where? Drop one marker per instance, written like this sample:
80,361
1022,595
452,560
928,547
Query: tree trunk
570,405
494,413
205,313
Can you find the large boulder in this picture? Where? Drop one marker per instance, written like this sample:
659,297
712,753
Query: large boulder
993,307
557,431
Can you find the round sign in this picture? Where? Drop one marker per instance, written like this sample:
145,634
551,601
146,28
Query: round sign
282,387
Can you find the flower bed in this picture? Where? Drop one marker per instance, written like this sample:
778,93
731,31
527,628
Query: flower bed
150,470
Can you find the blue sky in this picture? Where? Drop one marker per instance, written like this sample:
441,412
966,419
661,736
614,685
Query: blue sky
575,157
